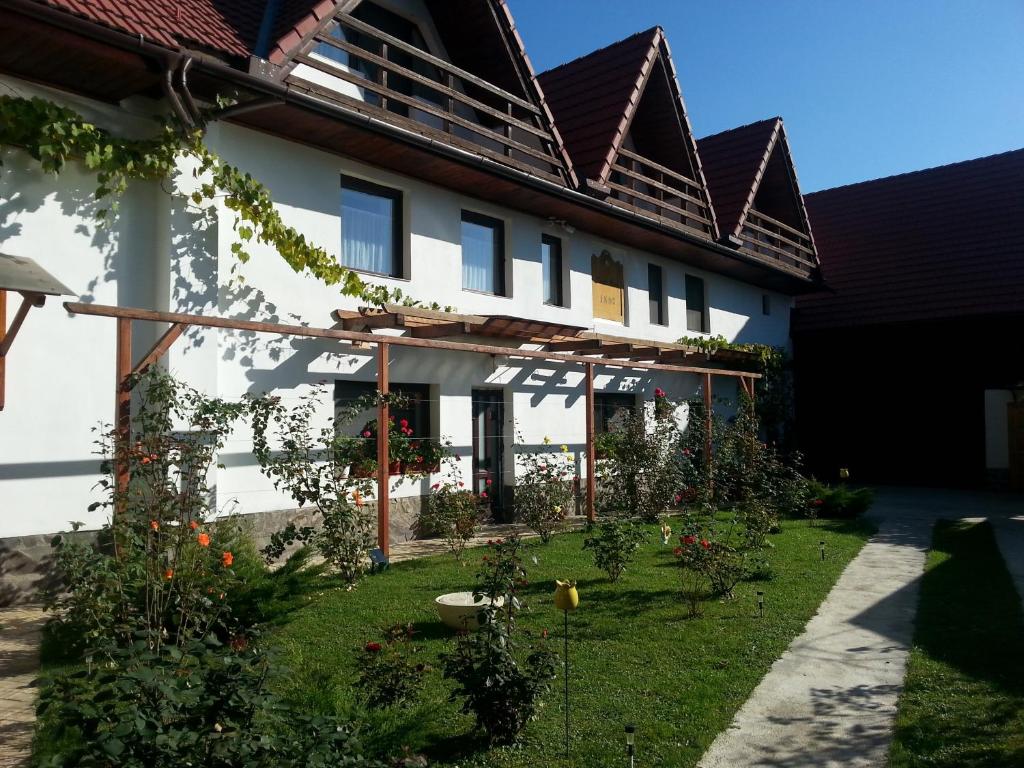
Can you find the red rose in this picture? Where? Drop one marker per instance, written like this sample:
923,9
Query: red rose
678,498
678,552
435,486
403,423
689,539
367,433
373,647
705,543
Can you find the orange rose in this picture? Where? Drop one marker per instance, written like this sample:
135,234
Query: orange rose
169,574
203,539
193,525
227,559
154,525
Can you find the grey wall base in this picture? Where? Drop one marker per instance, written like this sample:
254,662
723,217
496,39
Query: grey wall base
26,562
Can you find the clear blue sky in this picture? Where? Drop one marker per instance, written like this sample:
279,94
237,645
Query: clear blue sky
867,88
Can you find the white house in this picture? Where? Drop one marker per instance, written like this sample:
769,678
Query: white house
411,139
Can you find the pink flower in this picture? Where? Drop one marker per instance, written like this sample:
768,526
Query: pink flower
435,486
659,392
403,423
488,481
461,484
678,498
483,494
367,433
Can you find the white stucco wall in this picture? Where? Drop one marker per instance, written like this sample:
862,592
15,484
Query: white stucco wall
159,255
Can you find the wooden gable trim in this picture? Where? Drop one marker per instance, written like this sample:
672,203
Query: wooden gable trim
659,50
777,140
532,98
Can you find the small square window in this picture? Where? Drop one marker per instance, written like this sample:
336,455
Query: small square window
371,227
551,265
483,253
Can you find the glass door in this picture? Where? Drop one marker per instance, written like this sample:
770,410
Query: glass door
488,442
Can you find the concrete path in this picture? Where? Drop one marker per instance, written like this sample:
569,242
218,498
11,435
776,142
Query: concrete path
830,700
1009,532
19,666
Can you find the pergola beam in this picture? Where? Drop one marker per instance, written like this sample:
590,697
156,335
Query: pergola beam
441,329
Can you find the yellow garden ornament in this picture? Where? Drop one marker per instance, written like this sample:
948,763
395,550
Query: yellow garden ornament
566,596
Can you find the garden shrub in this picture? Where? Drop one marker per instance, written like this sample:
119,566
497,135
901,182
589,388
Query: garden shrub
615,543
544,491
838,501
312,465
452,513
165,605
642,477
498,687
388,674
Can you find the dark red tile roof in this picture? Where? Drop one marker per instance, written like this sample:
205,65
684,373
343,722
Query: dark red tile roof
225,26
593,96
732,161
938,243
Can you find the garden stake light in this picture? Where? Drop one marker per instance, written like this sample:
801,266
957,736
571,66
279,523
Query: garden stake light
566,599
760,603
630,743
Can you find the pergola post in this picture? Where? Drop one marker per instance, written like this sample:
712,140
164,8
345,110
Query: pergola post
591,480
708,423
3,358
383,459
123,404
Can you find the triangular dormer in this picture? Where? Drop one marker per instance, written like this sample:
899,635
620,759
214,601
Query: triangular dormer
452,70
622,115
756,195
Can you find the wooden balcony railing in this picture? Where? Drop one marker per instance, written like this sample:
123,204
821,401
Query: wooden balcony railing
642,185
404,84
769,238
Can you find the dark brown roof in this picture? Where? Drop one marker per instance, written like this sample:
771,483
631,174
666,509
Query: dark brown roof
732,162
225,26
938,243
593,96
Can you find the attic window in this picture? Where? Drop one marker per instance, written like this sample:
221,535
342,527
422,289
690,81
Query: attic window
392,24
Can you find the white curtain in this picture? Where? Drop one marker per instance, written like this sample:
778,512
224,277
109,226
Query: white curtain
479,244
367,231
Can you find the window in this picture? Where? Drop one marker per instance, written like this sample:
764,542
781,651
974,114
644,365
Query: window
766,304
416,409
610,409
371,227
551,264
483,254
656,294
696,305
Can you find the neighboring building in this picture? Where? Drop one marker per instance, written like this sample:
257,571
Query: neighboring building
910,369
412,139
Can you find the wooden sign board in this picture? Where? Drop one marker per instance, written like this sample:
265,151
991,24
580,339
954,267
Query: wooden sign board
609,287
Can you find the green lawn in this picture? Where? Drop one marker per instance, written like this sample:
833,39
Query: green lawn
963,704
635,658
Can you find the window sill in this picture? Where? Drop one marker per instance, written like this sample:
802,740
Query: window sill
368,273
486,293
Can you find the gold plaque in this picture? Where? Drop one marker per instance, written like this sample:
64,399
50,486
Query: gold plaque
609,287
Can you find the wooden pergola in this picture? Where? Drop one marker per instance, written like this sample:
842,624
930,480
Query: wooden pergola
429,329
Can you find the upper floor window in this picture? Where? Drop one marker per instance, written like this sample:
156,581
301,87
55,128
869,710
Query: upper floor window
483,253
371,227
696,305
551,265
656,294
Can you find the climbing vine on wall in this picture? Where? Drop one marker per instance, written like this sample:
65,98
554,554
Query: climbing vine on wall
55,135
774,389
